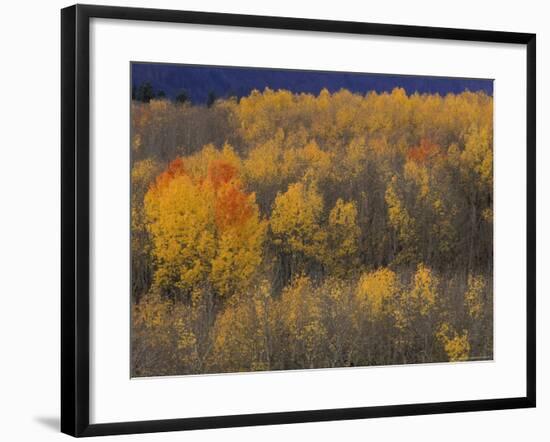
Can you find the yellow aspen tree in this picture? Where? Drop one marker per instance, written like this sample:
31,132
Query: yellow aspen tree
182,228
198,164
342,238
477,156
307,159
300,313
295,220
205,229
241,332
402,222
473,298
418,300
240,233
263,165
338,308
457,346
353,161
377,292
424,290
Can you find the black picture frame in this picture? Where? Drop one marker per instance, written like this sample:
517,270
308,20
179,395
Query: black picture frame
75,225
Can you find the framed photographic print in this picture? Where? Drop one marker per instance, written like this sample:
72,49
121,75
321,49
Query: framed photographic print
275,220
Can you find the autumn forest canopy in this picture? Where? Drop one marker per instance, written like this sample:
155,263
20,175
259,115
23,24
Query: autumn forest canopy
287,230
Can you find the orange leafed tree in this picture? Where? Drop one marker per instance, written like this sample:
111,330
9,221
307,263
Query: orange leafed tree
424,152
206,230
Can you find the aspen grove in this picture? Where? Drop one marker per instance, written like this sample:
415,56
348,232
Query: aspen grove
289,230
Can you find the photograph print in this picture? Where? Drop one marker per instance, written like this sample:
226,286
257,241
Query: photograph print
287,219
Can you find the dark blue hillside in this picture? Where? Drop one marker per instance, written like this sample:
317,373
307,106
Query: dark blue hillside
200,81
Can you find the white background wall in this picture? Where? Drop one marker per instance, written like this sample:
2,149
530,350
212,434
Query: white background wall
29,220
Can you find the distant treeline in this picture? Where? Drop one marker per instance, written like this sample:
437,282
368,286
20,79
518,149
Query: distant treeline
199,82
145,92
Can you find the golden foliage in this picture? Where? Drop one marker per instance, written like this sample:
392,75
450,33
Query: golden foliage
477,155
457,346
279,231
205,228
240,333
343,238
473,298
206,162
401,220
377,291
310,159
264,163
423,294
295,220
300,312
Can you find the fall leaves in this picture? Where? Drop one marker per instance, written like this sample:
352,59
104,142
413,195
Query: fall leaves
377,319
205,229
305,231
